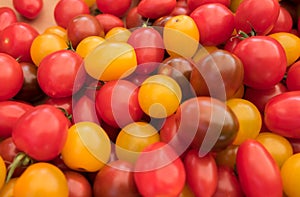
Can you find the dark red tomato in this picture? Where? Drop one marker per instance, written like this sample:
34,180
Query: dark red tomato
82,26
215,16
245,20
159,171
116,110
41,132
154,9
10,112
115,7
281,114
115,179
64,104
201,173
149,48
59,74
65,10
16,40
295,144
262,71
7,17
112,133
257,178
78,184
11,75
292,79
30,91
260,97
228,184
284,22
30,9
109,21
193,4
59,162
134,19
160,22
84,110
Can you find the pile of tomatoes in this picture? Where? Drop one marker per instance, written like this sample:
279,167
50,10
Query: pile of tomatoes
151,98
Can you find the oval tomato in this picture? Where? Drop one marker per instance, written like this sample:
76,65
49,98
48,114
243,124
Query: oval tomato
7,17
119,9
154,9
109,21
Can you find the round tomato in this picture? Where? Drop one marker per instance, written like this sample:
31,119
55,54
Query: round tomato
109,21
292,79
284,22
7,17
88,44
78,184
84,110
119,7
134,19
193,4
154,9
57,30
28,8
118,34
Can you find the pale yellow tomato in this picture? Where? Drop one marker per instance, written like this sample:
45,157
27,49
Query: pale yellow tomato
118,34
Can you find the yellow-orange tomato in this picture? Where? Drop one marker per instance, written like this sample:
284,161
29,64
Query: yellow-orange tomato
181,36
90,2
118,34
8,188
88,44
2,172
57,30
234,4
202,52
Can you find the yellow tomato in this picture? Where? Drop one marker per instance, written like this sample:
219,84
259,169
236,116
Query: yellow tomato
2,172
234,4
90,2
57,30
87,147
249,119
202,52
118,34
290,44
8,188
88,44
181,36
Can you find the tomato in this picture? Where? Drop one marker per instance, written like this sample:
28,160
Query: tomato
8,150
133,138
57,30
88,44
292,80
87,147
149,48
265,9
8,188
234,4
115,179
193,4
262,71
154,9
252,174
111,61
181,29
11,73
290,175
133,18
84,110
119,9
280,107
59,73
227,156
109,21
250,120
2,172
16,40
215,16
82,26
30,9
137,79
63,14
201,173
159,96
41,132
213,73
284,22
7,17
78,184
118,34
64,104
115,110
181,9
32,182
155,163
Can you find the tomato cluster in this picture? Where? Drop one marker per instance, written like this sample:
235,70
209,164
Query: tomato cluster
150,98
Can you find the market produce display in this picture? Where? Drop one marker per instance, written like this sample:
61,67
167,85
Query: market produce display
172,98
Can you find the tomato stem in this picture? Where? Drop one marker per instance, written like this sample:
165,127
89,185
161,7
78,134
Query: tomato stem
69,116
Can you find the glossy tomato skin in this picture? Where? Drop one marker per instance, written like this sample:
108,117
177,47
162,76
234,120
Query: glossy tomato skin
84,110
108,21
252,174
12,74
280,107
154,9
193,4
41,132
133,18
7,17
292,79
284,22
78,184
16,40
119,9
29,9
201,173
10,112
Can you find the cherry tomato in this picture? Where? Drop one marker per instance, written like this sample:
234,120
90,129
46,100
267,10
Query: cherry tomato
227,156
84,110
181,9
215,16
78,184
32,181
257,178
8,188
118,34
88,44
119,9
11,73
57,30
193,4
254,53
154,9
7,17
108,21
284,22
155,163
2,172
16,40
64,104
28,8
201,173
292,79
133,18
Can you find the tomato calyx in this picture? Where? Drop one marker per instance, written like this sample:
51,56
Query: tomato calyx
66,113
243,35
70,46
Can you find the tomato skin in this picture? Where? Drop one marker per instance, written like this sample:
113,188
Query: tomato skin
108,21
29,9
10,112
252,174
7,17
119,9
292,79
84,110
78,184
280,107
133,18
154,9
201,173
284,21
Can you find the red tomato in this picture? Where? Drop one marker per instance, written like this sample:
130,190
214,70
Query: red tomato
284,22
258,178
109,21
193,4
78,184
41,132
201,173
292,78
115,7
84,110
16,40
7,17
133,18
181,9
159,171
215,16
250,13
262,71
28,8
154,9
11,75
64,104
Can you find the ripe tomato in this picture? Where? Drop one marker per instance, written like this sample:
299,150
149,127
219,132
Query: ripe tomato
57,30
2,172
118,34
88,44
193,4
11,73
292,79
154,9
284,22
84,110
109,21
28,8
7,17
8,188
133,18
227,156
78,184
119,9
32,182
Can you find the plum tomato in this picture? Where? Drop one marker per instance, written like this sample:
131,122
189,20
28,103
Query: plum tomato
154,9
78,184
7,17
108,21
119,8
29,9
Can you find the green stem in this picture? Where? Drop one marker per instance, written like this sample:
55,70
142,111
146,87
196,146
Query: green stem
17,162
